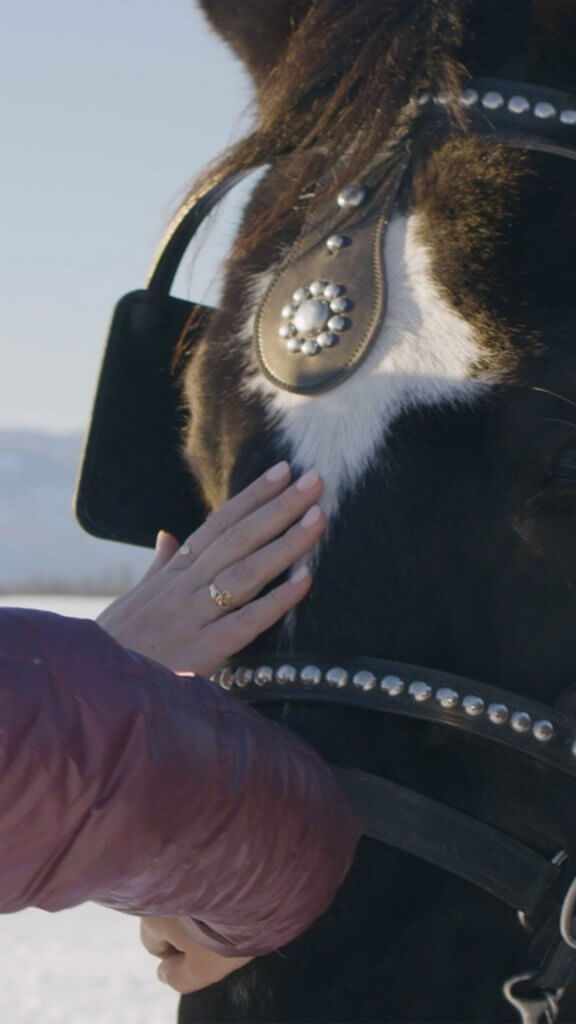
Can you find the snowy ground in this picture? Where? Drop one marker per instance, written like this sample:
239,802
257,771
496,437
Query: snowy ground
81,966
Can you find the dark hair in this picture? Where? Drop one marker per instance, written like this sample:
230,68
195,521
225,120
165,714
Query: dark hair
344,83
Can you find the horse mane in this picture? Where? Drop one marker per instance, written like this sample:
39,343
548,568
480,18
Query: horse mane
341,76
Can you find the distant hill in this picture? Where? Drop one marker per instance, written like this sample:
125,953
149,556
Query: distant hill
42,547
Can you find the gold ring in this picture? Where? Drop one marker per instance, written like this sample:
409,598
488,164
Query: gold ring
223,598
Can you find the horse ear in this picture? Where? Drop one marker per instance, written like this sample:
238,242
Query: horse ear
257,30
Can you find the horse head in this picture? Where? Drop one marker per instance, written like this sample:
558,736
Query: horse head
398,312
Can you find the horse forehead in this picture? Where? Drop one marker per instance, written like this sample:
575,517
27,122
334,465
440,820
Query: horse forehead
425,353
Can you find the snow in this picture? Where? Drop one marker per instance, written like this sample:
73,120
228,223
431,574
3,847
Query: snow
80,966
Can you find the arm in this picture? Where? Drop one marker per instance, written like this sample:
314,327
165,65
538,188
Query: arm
153,793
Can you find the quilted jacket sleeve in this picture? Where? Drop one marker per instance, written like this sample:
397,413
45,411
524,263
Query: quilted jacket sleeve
152,793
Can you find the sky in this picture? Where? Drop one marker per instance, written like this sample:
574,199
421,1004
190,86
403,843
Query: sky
109,109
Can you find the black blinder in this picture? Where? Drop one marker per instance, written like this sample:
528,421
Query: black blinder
133,480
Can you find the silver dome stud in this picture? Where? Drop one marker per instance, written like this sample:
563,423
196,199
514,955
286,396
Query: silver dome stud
520,721
441,99
243,676
225,678
573,749
392,686
287,331
288,311
286,674
317,287
300,296
544,110
335,243
310,675
351,196
310,347
337,677
543,730
424,98
473,705
420,691
311,318
469,97
294,345
518,105
263,675
338,323
333,291
568,117
492,100
364,680
498,713
447,697
340,305
327,340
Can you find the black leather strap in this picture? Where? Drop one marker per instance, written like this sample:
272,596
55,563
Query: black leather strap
453,841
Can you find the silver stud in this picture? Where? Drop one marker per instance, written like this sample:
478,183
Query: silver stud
288,311
441,99
286,674
327,340
350,197
243,676
294,345
469,97
310,347
420,691
520,721
287,331
311,675
392,686
518,105
337,677
568,117
300,295
311,317
263,675
543,730
340,305
573,749
317,287
335,243
225,678
338,323
364,680
544,110
447,697
424,98
473,705
492,100
332,291
498,713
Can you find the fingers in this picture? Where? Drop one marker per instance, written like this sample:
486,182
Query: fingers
236,630
247,577
253,532
272,482
166,548
187,972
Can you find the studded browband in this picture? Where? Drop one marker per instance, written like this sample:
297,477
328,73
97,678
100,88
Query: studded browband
525,725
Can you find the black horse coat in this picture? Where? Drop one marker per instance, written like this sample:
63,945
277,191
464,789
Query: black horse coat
449,458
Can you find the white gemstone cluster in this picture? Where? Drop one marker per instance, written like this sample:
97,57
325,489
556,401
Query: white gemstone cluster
314,319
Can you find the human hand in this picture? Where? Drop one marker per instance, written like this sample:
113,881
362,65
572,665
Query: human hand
186,965
170,614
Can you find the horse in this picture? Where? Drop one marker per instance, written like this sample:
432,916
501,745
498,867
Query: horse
398,311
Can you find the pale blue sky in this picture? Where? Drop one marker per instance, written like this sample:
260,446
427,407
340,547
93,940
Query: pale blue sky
109,108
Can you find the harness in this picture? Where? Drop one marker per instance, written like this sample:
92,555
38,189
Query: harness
117,501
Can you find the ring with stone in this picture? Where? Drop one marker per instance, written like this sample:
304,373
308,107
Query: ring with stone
223,598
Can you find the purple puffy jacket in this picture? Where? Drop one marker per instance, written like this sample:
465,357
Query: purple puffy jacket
153,793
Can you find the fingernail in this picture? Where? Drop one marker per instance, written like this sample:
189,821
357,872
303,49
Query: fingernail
161,974
308,480
277,472
300,574
312,516
159,536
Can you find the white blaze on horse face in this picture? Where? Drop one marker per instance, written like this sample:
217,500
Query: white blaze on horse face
424,355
